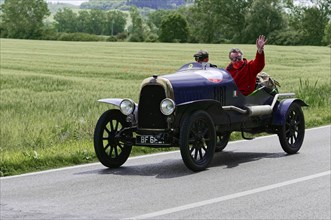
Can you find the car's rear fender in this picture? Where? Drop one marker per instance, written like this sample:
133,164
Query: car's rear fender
279,113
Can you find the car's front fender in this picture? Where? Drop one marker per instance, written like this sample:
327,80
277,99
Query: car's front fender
112,101
116,102
280,110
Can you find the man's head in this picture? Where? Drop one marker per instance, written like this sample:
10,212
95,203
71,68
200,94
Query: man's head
236,57
201,56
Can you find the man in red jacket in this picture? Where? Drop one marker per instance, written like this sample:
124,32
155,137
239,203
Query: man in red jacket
243,71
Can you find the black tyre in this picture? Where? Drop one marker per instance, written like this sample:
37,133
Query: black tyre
197,141
222,140
292,133
110,150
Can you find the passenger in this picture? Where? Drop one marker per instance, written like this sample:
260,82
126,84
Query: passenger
243,71
202,57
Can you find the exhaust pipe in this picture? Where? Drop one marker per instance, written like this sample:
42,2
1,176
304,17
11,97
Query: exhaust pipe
258,110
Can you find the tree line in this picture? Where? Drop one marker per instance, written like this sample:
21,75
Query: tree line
126,4
204,21
93,22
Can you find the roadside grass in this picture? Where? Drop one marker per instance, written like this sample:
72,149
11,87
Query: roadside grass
49,89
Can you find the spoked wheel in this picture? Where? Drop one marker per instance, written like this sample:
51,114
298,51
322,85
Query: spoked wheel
110,150
292,133
197,141
222,140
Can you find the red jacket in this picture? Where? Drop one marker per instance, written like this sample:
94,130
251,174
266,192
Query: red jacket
245,77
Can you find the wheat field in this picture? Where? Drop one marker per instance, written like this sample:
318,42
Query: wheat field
49,90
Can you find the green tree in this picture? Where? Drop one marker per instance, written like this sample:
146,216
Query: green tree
310,21
174,28
327,34
155,18
24,18
92,22
233,19
213,21
313,23
66,20
115,22
97,21
265,17
204,22
137,28
83,22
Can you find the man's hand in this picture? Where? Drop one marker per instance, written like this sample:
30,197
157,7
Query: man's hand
260,42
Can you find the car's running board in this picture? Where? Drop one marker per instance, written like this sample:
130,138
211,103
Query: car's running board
257,110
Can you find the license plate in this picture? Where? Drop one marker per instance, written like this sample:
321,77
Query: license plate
148,139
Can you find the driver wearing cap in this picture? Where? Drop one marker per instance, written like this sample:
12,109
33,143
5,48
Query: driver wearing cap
202,57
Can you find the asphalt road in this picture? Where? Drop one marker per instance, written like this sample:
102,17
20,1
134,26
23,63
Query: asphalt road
249,180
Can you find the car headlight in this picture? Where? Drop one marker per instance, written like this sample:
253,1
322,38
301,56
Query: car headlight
127,106
167,106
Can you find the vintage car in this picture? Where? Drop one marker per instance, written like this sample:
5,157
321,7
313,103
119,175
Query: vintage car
196,109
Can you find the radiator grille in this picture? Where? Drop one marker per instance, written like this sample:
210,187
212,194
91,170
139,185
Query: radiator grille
219,94
149,114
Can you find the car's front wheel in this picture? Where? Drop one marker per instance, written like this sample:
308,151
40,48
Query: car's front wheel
197,140
111,151
292,132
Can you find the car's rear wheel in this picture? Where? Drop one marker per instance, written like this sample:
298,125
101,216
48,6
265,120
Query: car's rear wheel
111,151
222,140
292,132
197,140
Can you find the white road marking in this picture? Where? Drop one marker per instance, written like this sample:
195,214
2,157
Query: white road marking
228,197
81,166
131,158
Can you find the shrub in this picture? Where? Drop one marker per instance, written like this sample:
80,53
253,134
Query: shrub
80,37
122,36
152,38
50,34
112,39
136,38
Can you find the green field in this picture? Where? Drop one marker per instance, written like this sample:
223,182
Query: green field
49,90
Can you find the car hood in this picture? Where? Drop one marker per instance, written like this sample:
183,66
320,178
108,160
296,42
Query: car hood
193,82
198,77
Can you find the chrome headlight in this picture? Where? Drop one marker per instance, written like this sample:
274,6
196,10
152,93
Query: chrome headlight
167,106
127,106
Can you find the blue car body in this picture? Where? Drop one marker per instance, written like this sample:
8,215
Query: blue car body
194,87
207,96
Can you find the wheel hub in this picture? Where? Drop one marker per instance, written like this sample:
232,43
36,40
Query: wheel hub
112,140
